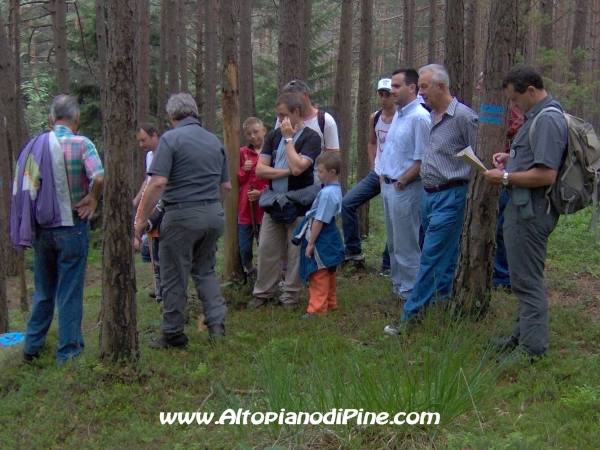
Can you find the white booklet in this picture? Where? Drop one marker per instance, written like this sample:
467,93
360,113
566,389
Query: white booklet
468,155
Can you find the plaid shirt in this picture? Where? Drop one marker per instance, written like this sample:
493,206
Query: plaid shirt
81,160
456,130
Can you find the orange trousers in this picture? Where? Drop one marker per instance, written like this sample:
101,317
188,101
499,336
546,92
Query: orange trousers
321,285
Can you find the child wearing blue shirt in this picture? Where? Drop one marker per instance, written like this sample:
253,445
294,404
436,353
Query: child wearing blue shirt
322,245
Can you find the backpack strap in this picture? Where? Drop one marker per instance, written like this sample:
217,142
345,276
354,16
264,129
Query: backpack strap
321,121
376,118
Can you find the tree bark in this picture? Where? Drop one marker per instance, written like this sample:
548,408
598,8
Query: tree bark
183,59
161,94
454,39
4,228
211,55
470,71
102,40
578,41
118,333
246,77
342,101
305,14
290,41
473,283
58,9
409,33
199,56
231,131
365,91
546,34
432,37
172,47
143,79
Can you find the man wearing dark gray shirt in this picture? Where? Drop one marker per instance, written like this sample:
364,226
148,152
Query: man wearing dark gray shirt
527,171
445,182
190,173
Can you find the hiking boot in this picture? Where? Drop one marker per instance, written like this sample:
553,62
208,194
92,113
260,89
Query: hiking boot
288,305
27,358
177,341
216,332
257,302
504,344
353,255
396,328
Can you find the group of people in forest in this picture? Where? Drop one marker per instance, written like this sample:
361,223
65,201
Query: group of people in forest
289,197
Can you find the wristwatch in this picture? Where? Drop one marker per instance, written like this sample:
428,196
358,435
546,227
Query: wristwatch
400,185
505,179
286,140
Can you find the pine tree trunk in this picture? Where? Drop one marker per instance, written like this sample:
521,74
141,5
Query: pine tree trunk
365,93
342,102
183,60
578,42
231,130
454,39
470,71
473,283
409,33
306,15
211,55
432,37
290,41
143,80
546,33
246,78
4,228
58,9
172,47
199,57
118,333
161,94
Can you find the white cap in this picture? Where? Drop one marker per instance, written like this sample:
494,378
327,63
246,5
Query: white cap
385,84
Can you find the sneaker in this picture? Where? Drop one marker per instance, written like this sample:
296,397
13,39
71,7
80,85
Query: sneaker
503,344
257,302
385,273
354,255
396,328
179,341
308,316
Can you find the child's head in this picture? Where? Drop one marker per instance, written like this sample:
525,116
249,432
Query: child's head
254,131
328,167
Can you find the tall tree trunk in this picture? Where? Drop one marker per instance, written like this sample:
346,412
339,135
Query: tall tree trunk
102,40
365,92
199,57
5,164
211,54
246,72
342,101
470,71
143,79
183,59
578,42
232,266
305,14
118,333
546,34
172,47
58,9
473,282
432,36
290,41
409,33
454,39
161,94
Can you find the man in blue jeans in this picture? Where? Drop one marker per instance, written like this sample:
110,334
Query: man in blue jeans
369,187
61,241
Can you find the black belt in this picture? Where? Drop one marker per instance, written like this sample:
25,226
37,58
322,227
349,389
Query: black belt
185,205
387,180
443,187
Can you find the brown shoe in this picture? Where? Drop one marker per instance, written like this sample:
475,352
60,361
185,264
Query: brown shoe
179,341
257,302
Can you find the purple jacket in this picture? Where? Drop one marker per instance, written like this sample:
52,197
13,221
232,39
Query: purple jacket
40,191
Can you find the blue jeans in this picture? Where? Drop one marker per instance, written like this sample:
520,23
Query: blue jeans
501,272
365,190
442,218
59,272
245,239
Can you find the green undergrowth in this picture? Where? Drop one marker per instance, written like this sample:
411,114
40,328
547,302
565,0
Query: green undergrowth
271,361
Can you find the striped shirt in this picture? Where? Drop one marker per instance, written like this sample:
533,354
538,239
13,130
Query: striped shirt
81,160
456,130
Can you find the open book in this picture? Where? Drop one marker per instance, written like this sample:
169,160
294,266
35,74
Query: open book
468,155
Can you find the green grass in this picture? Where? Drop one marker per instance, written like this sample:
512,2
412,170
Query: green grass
272,361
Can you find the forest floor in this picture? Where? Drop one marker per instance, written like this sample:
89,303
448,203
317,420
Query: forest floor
272,361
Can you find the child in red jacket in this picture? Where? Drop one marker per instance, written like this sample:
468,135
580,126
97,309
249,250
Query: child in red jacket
251,187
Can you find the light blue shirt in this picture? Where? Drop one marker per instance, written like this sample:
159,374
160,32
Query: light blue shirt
406,140
328,203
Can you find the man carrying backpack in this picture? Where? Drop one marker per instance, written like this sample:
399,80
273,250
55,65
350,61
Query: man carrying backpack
527,171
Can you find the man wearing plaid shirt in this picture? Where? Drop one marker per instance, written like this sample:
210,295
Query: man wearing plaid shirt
61,251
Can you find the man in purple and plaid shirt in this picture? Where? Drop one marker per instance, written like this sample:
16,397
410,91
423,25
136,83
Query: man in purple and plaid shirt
61,251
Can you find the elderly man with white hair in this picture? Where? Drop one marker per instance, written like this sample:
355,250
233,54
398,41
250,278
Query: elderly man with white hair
190,173
445,183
